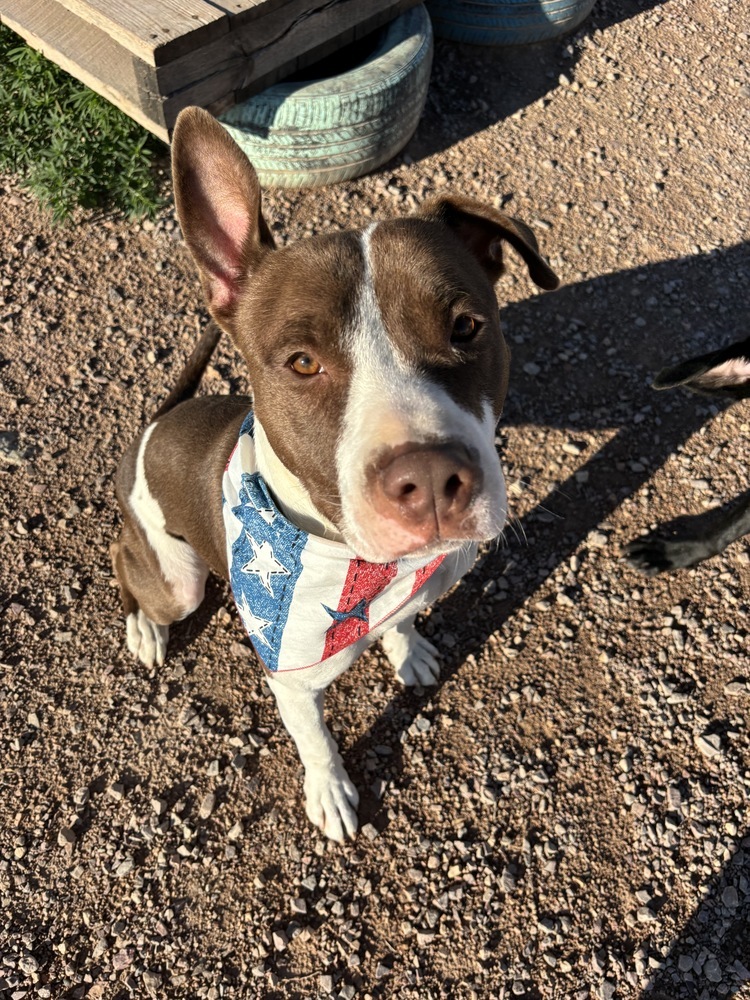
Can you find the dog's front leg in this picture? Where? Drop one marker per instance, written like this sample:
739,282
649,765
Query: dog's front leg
413,657
330,797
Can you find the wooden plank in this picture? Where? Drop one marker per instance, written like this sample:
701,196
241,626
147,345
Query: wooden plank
249,59
160,30
90,55
305,60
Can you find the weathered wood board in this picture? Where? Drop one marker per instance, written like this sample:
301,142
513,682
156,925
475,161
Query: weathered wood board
154,57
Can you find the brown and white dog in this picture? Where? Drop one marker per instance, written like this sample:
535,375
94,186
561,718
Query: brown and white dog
378,372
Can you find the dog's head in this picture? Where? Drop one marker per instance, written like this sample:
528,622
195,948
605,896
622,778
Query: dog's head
725,372
376,360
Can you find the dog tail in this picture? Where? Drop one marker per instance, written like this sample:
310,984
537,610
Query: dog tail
191,375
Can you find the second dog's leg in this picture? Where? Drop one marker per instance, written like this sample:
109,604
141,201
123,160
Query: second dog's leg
330,797
413,657
655,555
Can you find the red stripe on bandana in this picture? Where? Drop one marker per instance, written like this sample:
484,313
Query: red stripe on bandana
423,575
364,581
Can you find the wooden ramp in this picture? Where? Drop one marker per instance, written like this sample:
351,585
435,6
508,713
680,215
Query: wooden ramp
154,57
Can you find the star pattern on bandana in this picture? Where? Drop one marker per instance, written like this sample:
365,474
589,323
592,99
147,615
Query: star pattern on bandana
267,513
264,563
253,623
359,611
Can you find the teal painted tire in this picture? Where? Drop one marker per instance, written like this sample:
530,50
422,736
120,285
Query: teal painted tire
506,22
306,134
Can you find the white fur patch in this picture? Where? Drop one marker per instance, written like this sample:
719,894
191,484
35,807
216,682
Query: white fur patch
390,403
180,564
146,639
293,500
730,372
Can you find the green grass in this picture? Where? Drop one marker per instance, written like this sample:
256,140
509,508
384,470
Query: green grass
69,146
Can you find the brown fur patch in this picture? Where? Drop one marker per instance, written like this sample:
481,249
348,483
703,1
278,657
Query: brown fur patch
424,278
302,298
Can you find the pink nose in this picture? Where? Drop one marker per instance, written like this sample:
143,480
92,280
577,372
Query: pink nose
428,488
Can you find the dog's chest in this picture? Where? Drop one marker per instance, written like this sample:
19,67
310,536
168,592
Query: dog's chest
304,599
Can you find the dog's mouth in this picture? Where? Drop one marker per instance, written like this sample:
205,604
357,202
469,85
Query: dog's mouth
376,538
377,552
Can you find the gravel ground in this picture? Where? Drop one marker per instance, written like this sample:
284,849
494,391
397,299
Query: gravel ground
566,816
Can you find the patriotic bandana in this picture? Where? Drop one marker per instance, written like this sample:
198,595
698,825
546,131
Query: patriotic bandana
302,598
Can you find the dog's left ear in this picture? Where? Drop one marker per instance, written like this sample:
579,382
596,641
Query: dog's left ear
483,229
720,373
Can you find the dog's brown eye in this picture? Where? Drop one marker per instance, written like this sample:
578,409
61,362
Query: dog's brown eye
465,329
304,364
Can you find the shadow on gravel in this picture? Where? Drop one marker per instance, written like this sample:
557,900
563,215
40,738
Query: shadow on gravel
474,86
714,941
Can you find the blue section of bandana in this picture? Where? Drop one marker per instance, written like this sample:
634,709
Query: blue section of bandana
265,566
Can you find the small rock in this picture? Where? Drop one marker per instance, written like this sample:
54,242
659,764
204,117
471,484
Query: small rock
123,958
712,971
159,806
207,805
124,868
151,980
370,831
81,796
740,685
116,791
280,940
531,368
235,832
729,897
66,837
28,964
299,905
509,879
709,744
685,963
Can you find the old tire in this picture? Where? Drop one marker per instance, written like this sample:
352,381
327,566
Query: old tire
506,22
306,134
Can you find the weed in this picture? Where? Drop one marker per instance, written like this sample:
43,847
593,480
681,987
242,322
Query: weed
70,146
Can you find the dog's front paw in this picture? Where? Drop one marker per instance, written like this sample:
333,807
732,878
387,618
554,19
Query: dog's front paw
413,657
146,639
331,801
652,556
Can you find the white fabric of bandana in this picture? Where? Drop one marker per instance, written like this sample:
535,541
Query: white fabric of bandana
302,598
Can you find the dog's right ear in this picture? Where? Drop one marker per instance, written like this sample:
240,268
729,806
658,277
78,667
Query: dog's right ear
219,207
483,229
721,373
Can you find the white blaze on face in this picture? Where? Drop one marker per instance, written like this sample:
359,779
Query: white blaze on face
390,403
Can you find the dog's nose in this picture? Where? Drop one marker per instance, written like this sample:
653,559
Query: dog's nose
427,486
